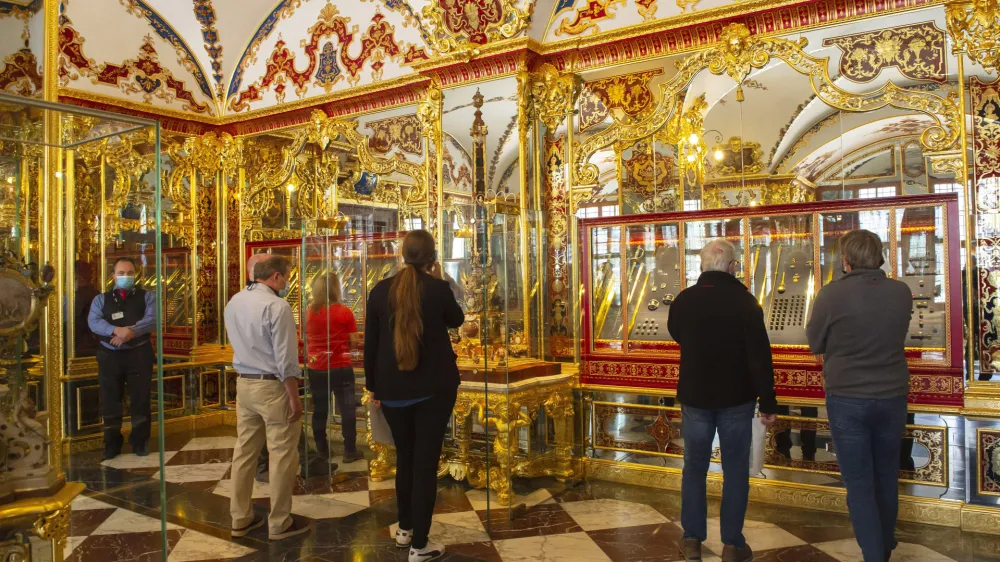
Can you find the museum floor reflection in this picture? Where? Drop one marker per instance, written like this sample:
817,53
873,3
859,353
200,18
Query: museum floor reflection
117,520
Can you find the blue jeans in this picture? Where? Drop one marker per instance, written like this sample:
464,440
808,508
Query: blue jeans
866,437
698,428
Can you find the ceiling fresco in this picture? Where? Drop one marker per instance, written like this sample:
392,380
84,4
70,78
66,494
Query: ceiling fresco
212,58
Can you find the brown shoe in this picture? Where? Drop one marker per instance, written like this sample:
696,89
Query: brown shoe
691,549
732,554
293,528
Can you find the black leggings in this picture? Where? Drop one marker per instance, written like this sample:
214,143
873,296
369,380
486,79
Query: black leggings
341,383
418,432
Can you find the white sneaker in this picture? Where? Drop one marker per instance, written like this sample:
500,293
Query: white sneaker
432,551
403,538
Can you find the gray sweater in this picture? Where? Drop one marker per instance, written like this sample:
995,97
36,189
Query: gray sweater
859,325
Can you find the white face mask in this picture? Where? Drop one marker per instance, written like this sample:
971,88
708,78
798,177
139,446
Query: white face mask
284,292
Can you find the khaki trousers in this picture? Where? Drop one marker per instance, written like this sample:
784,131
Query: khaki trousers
262,417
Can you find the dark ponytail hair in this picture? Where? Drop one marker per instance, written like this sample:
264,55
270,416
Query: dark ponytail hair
404,298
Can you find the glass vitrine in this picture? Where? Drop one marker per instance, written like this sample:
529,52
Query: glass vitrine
786,254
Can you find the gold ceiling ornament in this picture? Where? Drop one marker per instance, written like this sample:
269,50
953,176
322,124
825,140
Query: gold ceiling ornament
736,54
736,156
975,27
949,162
272,167
552,94
463,27
213,152
130,164
686,131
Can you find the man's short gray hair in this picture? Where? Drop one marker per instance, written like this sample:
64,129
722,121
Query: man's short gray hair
717,255
275,264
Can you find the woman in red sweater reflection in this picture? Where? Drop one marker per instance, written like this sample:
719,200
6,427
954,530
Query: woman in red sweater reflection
331,332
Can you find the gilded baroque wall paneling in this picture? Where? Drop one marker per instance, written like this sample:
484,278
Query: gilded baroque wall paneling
916,51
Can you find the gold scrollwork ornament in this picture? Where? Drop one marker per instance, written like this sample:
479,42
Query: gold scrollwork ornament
736,54
973,27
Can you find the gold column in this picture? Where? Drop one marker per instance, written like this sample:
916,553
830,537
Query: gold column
525,120
971,213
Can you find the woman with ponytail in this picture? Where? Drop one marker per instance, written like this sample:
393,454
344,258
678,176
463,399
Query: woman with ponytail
411,370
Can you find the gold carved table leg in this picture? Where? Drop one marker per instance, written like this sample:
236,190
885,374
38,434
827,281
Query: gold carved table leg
559,407
382,466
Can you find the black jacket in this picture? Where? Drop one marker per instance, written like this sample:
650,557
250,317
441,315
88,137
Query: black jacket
725,352
437,371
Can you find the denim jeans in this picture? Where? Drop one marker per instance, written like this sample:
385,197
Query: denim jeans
866,438
698,428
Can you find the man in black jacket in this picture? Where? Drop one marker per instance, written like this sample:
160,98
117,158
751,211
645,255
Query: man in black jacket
725,368
122,320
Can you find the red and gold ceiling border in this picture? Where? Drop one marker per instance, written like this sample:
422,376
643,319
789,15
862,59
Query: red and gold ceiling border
701,29
506,57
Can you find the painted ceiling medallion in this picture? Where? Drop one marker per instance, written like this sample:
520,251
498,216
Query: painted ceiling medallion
629,93
143,75
327,65
587,17
464,25
916,51
402,131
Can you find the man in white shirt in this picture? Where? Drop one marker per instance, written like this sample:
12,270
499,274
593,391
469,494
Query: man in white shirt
262,332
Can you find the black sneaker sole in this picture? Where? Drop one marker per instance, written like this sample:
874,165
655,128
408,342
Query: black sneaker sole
256,524
290,533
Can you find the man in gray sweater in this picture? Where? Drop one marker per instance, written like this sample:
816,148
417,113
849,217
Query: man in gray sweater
859,324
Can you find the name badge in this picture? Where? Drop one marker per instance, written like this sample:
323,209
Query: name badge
118,316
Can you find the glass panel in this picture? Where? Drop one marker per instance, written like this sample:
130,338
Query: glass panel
833,226
655,276
781,254
699,233
921,259
606,272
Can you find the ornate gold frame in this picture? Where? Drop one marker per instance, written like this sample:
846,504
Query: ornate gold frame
736,54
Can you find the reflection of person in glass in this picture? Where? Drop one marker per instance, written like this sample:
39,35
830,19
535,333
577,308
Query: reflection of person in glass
411,370
84,341
725,370
331,331
859,324
122,319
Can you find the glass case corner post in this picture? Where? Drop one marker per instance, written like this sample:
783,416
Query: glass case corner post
161,430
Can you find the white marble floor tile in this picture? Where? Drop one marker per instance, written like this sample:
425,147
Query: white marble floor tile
760,536
225,488
323,507
389,484
71,544
356,466
195,546
125,521
478,498
594,515
572,547
454,528
205,443
847,550
81,503
125,462
194,472
356,498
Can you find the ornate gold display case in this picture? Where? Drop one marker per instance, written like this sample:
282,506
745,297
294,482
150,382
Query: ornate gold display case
634,267
49,239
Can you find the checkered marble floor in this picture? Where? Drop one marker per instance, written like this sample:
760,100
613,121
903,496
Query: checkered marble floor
354,518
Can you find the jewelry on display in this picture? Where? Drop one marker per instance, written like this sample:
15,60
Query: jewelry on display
781,286
795,278
653,305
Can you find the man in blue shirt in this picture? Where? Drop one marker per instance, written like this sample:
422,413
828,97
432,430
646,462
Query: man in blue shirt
122,320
